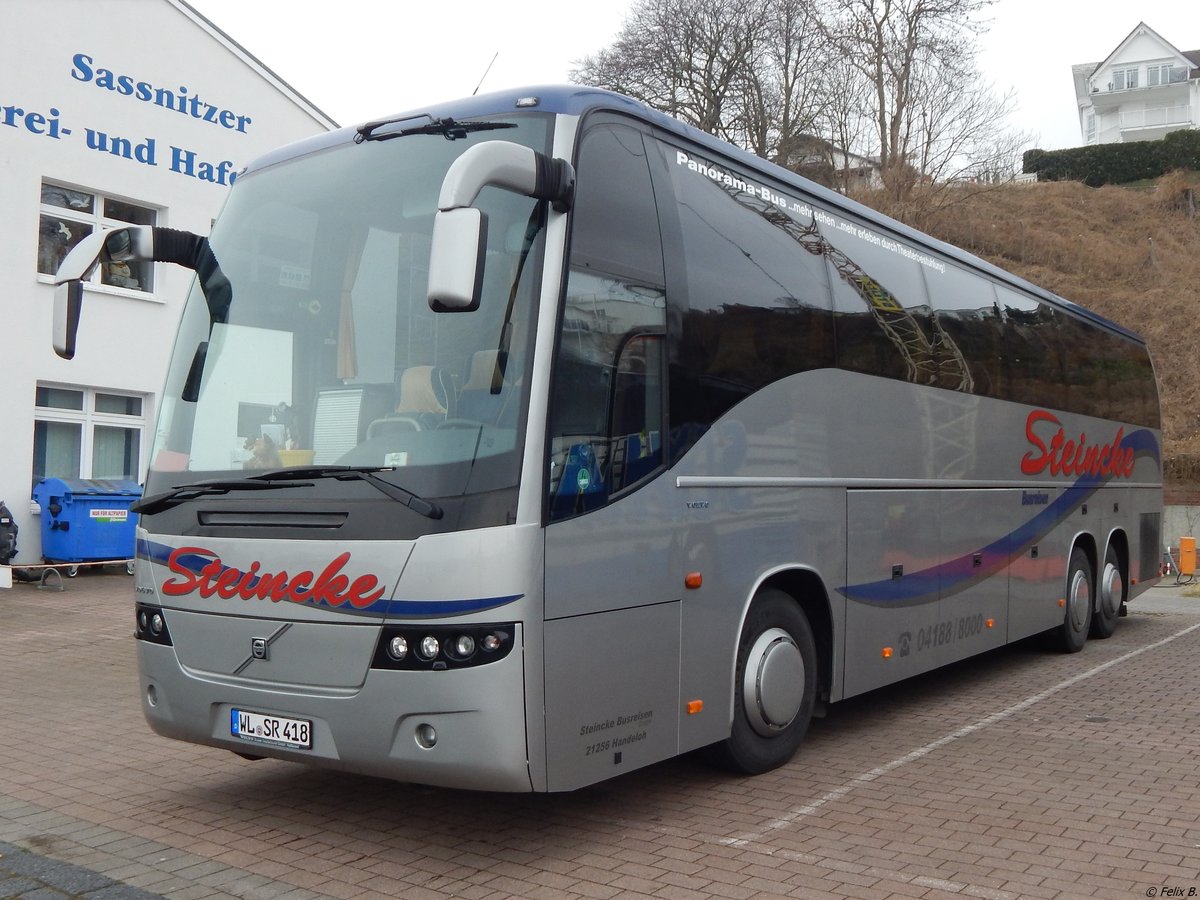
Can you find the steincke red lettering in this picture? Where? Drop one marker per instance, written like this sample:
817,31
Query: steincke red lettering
1055,453
329,587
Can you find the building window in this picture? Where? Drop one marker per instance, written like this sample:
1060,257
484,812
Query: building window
69,215
87,433
1165,74
1124,79
1091,127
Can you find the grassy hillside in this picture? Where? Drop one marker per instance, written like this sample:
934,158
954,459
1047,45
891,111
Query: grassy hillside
1131,255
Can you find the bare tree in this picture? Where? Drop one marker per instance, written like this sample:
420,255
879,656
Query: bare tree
846,121
815,85
891,42
960,126
785,90
687,59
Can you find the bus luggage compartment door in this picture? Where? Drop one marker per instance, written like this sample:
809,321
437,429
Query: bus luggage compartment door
891,586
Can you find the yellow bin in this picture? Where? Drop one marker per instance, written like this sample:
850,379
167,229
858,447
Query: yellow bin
1187,556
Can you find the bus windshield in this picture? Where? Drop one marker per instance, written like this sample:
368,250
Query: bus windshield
328,353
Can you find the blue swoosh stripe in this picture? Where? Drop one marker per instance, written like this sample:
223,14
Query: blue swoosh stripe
960,573
409,609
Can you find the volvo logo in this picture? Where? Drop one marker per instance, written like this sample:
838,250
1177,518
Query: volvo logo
260,647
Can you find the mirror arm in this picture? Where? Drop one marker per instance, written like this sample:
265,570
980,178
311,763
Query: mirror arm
510,166
194,252
459,241
133,242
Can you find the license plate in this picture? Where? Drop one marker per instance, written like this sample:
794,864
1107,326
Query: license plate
278,731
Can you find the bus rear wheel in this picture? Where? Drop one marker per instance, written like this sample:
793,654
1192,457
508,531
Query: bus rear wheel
775,686
1077,620
1111,596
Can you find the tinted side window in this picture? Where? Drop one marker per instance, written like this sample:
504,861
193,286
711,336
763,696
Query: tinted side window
881,308
1032,368
1133,392
757,303
606,401
969,329
1085,364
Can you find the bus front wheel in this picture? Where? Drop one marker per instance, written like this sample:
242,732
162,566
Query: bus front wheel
775,687
1077,620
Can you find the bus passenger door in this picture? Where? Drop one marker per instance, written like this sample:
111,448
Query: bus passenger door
612,588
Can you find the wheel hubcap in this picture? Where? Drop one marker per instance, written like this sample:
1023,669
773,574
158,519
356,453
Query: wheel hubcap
1112,589
1079,601
773,684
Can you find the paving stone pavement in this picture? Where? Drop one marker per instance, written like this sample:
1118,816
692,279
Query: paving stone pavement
1019,774
29,875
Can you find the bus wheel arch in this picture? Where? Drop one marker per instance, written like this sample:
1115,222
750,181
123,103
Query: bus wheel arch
806,589
777,679
1112,586
1080,588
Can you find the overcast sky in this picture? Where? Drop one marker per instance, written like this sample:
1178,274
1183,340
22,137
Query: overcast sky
360,59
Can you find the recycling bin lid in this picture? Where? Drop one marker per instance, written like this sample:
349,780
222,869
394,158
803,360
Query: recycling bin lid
63,487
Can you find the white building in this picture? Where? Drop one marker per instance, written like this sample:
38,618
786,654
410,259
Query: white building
123,111
1141,91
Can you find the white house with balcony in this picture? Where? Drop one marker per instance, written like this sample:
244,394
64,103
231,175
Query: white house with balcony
1142,90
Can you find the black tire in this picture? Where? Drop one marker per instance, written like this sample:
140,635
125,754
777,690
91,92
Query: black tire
1110,596
1081,598
776,652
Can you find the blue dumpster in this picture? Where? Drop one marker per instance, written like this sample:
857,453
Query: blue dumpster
87,520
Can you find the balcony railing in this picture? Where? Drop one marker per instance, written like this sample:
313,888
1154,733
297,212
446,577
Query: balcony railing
1155,117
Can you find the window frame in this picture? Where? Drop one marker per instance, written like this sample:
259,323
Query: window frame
96,220
1128,76
89,418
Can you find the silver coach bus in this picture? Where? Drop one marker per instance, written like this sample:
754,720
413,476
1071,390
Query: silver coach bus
534,438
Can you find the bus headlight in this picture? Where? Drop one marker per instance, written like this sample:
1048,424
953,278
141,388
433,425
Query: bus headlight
436,648
152,625
398,647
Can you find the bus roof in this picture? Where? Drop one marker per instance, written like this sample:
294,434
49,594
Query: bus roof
575,100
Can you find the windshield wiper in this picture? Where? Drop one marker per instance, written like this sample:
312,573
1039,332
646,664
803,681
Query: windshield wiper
288,478
448,128
418,504
184,492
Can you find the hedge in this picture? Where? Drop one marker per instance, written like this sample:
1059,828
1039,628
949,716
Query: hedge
1116,163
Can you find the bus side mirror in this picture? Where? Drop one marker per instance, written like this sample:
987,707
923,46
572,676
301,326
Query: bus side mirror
456,259
68,301
459,240
115,245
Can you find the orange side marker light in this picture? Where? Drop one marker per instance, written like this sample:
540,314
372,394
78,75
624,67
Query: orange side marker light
990,623
887,652
1062,602
695,706
693,580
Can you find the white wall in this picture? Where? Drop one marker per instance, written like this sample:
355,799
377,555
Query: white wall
48,103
